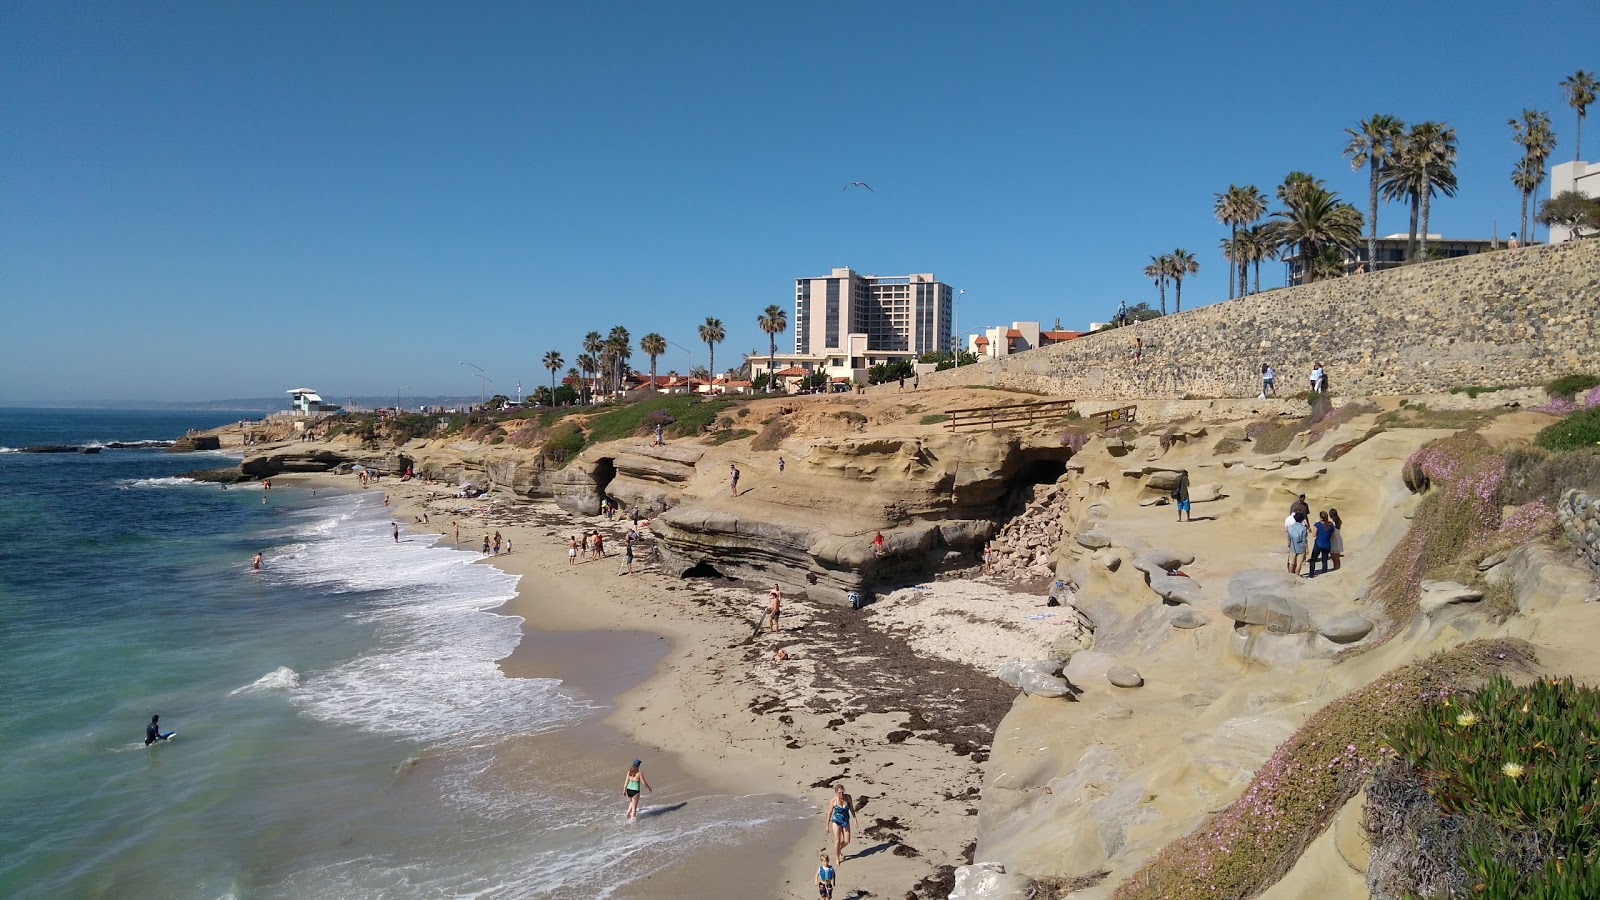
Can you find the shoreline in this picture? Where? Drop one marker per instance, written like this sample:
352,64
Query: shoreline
716,706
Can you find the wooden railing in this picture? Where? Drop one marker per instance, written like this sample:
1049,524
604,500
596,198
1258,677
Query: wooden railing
1111,418
1012,413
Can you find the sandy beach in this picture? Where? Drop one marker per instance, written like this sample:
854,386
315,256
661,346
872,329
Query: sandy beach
875,700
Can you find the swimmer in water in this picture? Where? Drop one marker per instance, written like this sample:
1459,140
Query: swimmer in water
256,563
152,732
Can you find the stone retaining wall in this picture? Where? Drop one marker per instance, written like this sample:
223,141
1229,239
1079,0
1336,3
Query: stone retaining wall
1514,317
1579,514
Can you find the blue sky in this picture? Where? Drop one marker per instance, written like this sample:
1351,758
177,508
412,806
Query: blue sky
205,200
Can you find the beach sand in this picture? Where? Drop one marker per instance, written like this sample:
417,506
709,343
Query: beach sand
687,668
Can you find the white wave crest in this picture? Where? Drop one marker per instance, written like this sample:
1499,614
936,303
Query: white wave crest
172,481
281,678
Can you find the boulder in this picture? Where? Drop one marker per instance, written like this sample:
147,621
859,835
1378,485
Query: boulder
1205,493
1188,618
1108,559
1158,562
1279,615
1124,677
1116,446
1155,501
1176,589
1087,665
1092,540
990,881
1346,629
1035,684
1256,644
1161,481
1010,672
1436,595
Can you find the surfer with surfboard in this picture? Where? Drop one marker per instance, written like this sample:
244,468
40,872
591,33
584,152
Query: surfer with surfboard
152,732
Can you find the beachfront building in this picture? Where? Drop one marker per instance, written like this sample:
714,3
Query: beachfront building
1583,177
845,323
1392,253
999,340
306,403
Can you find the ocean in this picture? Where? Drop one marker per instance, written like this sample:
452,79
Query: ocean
343,729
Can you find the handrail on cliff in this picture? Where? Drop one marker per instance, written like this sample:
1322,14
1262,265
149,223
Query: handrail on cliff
1007,413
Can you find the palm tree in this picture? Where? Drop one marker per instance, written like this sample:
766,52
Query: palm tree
1313,221
653,346
1580,87
712,334
1239,207
1372,144
1423,165
588,365
1159,269
1258,243
594,345
1223,209
773,320
1533,133
1294,182
1183,263
1526,181
553,361
618,350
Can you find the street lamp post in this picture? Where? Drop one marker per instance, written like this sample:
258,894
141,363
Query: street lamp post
483,381
956,351
399,395
689,360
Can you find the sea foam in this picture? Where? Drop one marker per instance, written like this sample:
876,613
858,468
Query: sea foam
281,678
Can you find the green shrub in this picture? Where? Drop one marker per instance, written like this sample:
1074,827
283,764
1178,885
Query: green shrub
934,418
1074,415
743,411
1225,446
1576,429
497,439
1533,473
733,434
1567,386
691,415
565,442
1472,391
1517,769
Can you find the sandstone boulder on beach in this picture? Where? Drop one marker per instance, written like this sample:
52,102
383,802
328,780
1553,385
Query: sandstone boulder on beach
990,881
1436,595
1346,629
1278,614
1092,540
1124,677
1189,619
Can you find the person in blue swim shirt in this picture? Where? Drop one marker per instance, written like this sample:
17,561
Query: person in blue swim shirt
824,877
152,732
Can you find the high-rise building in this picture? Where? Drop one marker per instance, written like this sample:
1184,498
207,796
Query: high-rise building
907,314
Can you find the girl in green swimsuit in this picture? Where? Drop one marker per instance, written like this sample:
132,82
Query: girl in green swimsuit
631,787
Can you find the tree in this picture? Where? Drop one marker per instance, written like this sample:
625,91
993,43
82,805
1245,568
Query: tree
1159,269
1315,219
774,321
589,365
1424,165
653,345
1533,134
1238,207
593,345
553,362
1372,144
1294,183
1573,211
1580,87
1182,263
712,334
1526,181
1258,243
618,350
890,371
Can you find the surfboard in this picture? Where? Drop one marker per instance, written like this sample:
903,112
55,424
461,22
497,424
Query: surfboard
165,737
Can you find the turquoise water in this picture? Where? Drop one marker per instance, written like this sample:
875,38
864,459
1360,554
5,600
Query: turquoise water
343,729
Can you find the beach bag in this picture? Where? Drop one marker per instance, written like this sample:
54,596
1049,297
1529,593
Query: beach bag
1176,494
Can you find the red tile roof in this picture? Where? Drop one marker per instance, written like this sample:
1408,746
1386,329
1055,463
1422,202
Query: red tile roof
1061,335
1012,332
791,372
982,341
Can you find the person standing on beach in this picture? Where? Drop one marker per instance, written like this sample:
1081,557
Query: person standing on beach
631,786
1269,387
486,544
838,822
780,465
396,526
1181,494
458,534
572,550
1321,545
733,478
256,563
1300,507
1336,543
1297,543
824,877
497,543
775,608
988,557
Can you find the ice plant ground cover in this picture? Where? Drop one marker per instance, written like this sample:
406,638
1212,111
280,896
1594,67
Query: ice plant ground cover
1248,846
1494,793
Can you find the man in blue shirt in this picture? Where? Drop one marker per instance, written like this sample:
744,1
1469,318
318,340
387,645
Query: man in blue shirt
1298,533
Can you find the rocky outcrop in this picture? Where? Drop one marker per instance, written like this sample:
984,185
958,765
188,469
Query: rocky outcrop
293,458
1025,547
638,476
1579,514
195,442
935,500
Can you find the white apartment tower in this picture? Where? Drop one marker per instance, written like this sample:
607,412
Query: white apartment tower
907,314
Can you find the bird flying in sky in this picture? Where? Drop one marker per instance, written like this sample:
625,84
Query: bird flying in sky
858,184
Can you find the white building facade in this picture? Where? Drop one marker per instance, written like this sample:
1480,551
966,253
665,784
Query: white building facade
1583,177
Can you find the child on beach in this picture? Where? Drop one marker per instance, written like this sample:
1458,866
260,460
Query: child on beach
630,787
824,877
774,608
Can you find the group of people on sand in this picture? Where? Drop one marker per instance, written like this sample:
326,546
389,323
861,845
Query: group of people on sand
492,545
837,818
1322,537
593,543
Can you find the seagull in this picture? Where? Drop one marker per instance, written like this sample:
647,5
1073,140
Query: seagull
857,184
